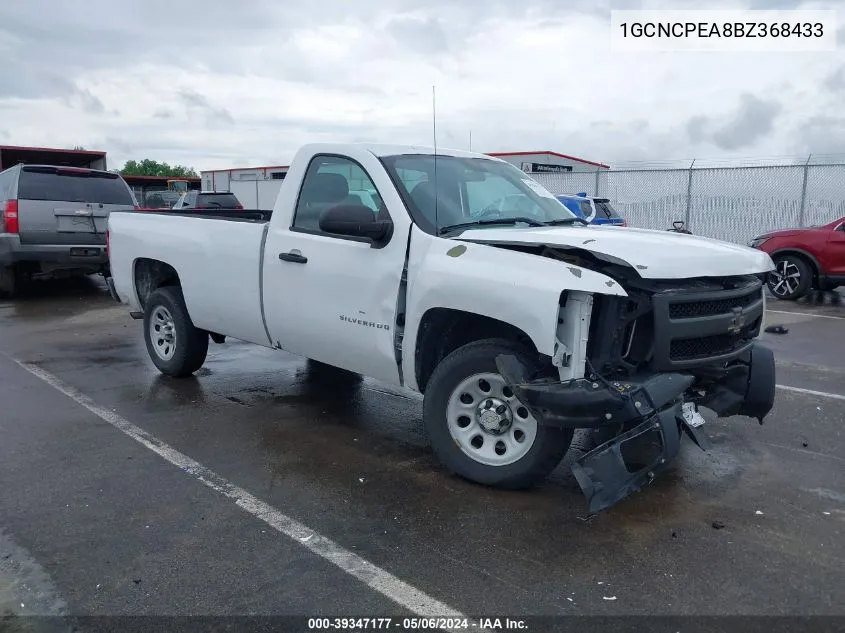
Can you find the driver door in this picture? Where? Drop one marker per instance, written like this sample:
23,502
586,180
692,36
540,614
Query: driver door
328,297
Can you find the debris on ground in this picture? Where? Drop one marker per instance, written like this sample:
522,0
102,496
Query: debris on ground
609,597
758,513
777,329
718,525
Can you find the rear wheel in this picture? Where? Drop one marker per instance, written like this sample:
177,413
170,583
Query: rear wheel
791,278
8,281
477,426
175,346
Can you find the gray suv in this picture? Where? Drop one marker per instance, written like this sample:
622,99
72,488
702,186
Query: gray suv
54,219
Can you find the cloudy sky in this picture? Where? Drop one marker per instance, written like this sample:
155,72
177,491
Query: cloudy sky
216,84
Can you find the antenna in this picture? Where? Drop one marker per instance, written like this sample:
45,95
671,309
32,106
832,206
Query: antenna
434,137
434,117
470,140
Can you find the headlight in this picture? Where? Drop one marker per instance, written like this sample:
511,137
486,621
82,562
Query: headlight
757,241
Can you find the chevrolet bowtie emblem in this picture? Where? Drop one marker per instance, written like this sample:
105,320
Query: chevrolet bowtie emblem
737,322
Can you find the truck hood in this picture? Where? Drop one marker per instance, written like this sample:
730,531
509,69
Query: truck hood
653,254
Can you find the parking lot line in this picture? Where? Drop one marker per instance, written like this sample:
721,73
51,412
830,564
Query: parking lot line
812,392
402,593
806,314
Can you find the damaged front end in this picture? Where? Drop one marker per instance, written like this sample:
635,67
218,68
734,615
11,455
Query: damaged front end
652,359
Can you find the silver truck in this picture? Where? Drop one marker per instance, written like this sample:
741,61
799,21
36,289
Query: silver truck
53,219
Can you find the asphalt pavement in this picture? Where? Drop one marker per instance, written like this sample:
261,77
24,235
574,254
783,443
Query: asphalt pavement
263,486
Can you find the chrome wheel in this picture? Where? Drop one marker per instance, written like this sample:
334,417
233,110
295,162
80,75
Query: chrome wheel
488,423
785,279
163,333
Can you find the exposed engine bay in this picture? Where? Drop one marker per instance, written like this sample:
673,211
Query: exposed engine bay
649,361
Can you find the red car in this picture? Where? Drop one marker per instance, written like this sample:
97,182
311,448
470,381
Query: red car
805,258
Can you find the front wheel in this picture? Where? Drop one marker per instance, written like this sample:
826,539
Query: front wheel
477,426
791,279
175,346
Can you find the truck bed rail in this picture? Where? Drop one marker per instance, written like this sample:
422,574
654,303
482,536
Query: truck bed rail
248,215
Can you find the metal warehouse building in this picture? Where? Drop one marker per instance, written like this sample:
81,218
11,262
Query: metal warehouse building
547,161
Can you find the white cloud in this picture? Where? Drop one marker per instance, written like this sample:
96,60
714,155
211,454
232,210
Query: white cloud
214,84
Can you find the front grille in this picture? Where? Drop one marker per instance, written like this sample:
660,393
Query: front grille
692,309
704,347
705,322
709,346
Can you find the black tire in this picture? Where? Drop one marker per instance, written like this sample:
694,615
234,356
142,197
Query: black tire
190,344
546,452
9,279
790,265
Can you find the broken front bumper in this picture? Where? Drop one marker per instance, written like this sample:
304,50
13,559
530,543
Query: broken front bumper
648,413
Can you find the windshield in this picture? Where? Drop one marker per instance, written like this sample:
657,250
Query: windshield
470,190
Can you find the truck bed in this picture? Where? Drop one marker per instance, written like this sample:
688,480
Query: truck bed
217,255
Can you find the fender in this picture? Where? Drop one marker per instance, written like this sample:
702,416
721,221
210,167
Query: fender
518,288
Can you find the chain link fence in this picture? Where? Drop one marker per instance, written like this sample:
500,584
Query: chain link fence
727,203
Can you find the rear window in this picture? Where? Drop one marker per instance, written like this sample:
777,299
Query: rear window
225,200
604,208
38,183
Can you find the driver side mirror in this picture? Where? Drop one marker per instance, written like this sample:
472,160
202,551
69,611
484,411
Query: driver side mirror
354,220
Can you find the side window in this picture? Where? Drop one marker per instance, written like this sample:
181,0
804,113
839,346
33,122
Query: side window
586,209
331,181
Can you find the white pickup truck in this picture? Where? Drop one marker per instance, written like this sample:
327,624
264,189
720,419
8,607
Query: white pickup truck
517,329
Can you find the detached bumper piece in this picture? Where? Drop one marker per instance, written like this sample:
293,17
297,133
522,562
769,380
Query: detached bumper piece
630,461
651,410
650,414
584,403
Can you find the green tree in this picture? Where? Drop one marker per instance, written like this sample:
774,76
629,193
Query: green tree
149,167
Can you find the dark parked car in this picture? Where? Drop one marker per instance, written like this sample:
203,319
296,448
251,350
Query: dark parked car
53,219
805,258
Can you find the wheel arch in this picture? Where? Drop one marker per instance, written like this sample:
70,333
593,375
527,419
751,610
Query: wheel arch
151,274
807,256
443,330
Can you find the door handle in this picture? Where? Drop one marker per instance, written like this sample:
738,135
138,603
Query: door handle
294,257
